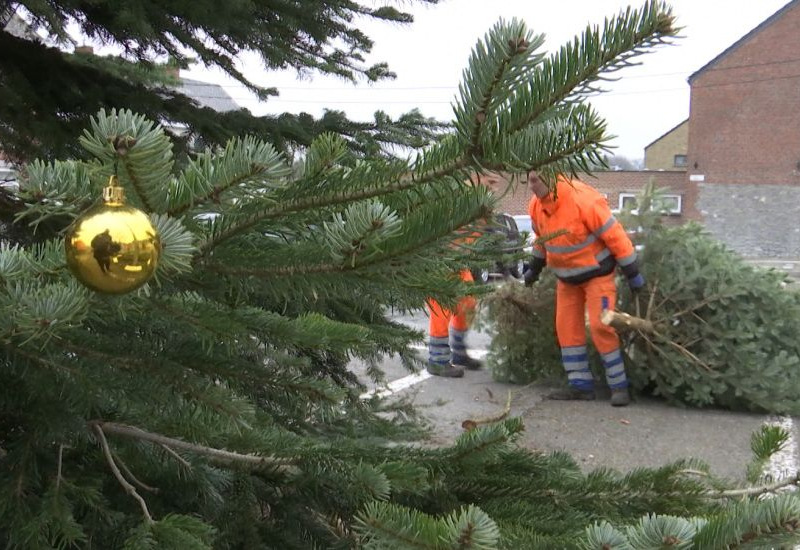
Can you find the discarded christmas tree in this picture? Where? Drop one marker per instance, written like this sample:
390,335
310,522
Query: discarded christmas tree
213,408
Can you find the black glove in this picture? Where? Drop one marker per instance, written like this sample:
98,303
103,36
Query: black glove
531,271
529,275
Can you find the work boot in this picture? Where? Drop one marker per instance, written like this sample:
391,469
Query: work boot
620,397
571,394
469,363
447,370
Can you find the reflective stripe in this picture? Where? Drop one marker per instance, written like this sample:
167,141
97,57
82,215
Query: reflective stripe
576,367
605,227
617,383
576,362
458,341
458,347
571,272
627,260
580,375
582,385
563,273
573,350
538,253
615,371
602,255
438,350
439,358
572,248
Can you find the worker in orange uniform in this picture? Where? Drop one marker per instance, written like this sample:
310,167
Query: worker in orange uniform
583,259
447,336
447,330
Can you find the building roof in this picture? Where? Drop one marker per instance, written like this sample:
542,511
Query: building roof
678,125
767,22
208,94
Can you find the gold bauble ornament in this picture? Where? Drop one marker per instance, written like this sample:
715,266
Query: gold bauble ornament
112,248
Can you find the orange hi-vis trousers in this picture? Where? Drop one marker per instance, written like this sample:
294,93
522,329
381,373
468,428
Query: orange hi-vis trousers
447,329
573,302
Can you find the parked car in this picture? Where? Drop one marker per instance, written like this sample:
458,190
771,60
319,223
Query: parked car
511,244
526,229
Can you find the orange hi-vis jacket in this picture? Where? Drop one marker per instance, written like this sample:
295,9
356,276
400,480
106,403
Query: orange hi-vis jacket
594,242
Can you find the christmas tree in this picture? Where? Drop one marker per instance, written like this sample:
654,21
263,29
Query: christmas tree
213,408
47,96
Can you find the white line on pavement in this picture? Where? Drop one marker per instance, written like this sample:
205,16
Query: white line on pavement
407,381
783,463
398,385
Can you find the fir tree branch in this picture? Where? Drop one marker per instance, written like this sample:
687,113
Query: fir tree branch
41,360
756,491
519,47
211,194
472,423
244,160
126,361
137,186
571,70
576,147
132,477
652,299
333,267
130,489
60,464
218,456
185,463
319,201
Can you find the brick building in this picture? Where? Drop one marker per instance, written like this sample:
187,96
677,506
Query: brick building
669,151
619,187
745,107
744,141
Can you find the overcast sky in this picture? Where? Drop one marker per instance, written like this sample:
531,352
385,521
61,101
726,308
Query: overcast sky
430,54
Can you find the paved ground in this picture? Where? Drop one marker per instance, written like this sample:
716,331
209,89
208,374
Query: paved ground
647,433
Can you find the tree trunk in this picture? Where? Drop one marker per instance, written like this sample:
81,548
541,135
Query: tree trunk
623,321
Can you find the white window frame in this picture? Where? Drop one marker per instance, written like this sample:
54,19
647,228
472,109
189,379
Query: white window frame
621,200
675,211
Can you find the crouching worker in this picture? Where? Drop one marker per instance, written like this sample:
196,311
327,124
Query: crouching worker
583,259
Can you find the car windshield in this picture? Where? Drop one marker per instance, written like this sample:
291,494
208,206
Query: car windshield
523,223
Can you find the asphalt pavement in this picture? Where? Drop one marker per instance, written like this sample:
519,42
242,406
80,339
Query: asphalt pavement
647,433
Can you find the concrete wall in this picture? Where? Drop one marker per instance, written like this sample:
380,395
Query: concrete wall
744,124
759,221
